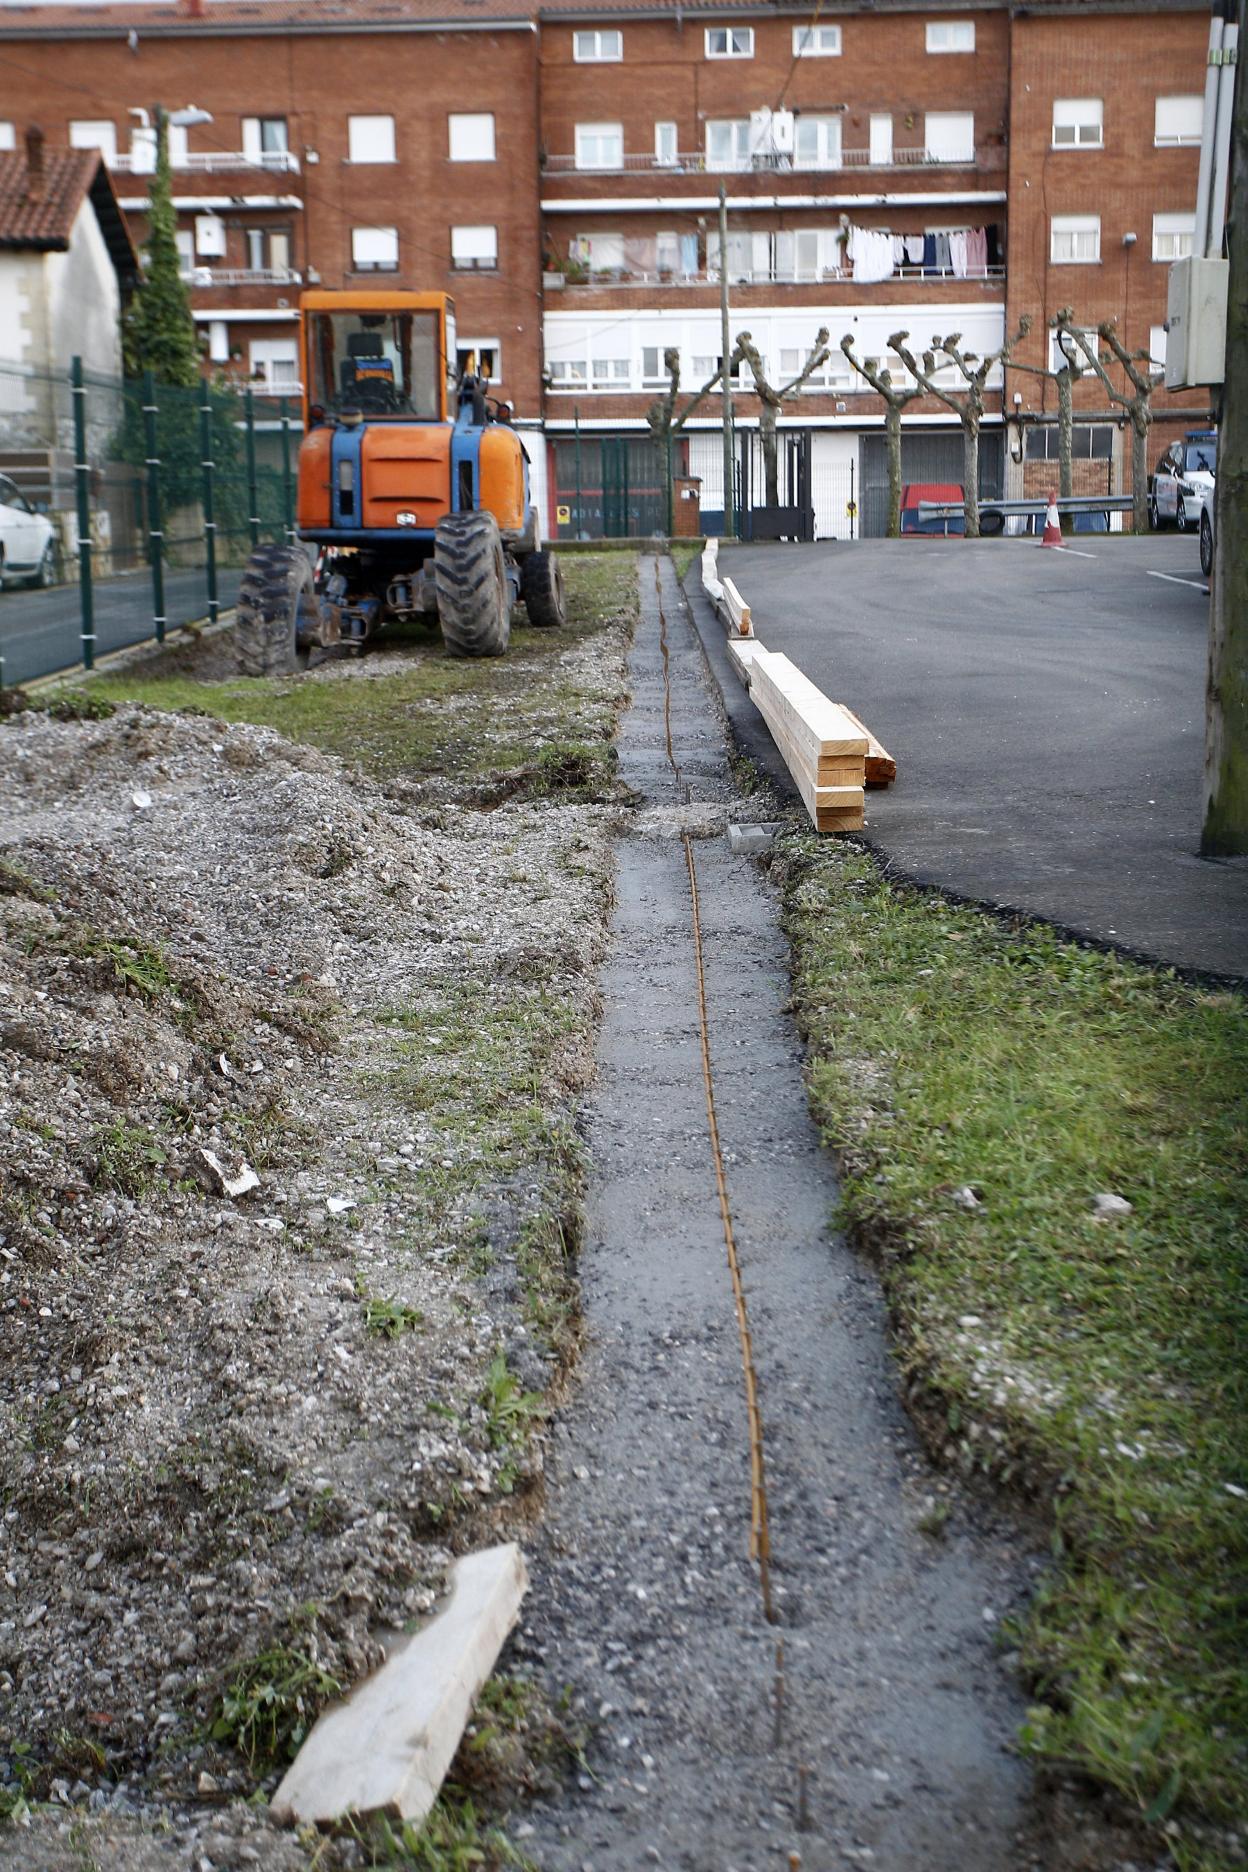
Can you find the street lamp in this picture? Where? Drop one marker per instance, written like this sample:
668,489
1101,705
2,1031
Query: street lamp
154,126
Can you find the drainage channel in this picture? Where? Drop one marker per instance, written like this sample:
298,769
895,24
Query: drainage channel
876,1731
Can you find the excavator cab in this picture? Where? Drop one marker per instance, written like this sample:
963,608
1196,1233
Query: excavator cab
413,490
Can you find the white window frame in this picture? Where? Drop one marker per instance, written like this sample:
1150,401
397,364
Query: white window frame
264,353
253,138
1080,115
370,139
617,374
184,240
94,133
598,47
8,136
828,138
1173,236
1057,357
568,373
384,243
470,136
880,145
1157,341
666,159
1178,139
657,379
1061,226
729,42
483,344
597,133
944,118
471,251
740,158
945,36
816,42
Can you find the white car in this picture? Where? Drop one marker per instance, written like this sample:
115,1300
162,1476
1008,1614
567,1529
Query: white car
1185,471
1205,524
27,539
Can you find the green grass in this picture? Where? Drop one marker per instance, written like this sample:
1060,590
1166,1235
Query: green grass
466,720
271,1702
1099,1363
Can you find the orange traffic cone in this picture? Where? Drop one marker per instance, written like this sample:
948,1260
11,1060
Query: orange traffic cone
1052,525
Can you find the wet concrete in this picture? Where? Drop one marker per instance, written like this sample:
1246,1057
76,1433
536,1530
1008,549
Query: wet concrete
645,1605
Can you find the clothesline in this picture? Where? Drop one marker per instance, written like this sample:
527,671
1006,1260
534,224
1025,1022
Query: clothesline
876,254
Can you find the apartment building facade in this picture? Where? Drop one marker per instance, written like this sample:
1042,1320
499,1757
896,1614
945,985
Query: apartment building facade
887,167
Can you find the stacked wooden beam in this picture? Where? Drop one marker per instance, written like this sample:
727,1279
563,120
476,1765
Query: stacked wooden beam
824,747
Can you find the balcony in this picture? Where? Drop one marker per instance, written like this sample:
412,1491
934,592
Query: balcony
612,277
241,276
209,162
697,162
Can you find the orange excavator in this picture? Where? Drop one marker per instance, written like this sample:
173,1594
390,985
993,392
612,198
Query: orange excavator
413,489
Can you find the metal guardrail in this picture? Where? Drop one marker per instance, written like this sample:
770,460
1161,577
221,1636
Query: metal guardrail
1072,503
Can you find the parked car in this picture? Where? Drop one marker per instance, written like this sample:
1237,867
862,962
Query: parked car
27,539
1184,471
1205,524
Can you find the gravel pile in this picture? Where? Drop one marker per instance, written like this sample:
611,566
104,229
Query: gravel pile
254,1283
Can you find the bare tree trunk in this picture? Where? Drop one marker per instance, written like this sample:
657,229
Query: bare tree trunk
970,474
892,436
771,465
1139,467
1065,440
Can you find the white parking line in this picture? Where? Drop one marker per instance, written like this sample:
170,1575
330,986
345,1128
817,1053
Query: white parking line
1172,580
1072,550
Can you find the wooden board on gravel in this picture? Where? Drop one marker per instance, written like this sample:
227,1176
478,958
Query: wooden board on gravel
823,747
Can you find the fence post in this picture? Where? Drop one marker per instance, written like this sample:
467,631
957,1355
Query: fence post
253,497
210,525
155,533
82,471
288,499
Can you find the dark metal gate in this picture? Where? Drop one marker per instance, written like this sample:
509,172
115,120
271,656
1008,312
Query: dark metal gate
925,456
609,487
792,516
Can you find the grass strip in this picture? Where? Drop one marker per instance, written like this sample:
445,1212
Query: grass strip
1096,1361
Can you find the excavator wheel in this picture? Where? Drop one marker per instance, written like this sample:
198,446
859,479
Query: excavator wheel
276,612
541,587
470,576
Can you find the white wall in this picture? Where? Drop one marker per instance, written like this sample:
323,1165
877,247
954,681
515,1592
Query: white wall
85,301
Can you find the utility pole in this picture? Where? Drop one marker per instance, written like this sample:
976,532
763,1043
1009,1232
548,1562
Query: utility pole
726,349
1225,831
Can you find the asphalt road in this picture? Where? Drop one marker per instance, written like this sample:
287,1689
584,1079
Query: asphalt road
1046,710
40,631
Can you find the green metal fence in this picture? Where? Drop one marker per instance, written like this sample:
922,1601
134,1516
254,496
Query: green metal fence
129,508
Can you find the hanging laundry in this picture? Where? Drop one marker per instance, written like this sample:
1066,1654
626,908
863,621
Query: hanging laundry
942,253
915,245
957,253
899,249
977,252
929,253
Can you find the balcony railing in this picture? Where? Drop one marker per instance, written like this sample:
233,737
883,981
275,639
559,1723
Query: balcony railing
209,162
698,162
757,276
240,276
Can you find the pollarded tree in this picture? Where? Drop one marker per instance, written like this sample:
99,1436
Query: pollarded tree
661,418
772,400
1137,406
895,400
1065,377
967,403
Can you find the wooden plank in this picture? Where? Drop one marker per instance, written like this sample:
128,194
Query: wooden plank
881,768
821,725
822,747
832,808
387,1748
737,609
741,654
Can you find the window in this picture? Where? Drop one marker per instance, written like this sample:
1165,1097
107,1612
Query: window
1157,350
1078,123
375,249
370,139
816,41
881,141
833,374
728,143
665,152
1089,442
482,356
1074,353
1178,120
274,362
600,146
7,139
653,369
472,136
1173,235
599,253
808,254
185,240
567,373
1075,239
817,144
384,363
268,250
264,136
951,35
93,133
667,252
597,48
730,42
610,373
949,136
474,247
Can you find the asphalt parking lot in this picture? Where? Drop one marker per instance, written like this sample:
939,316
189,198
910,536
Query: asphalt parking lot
1046,709
41,631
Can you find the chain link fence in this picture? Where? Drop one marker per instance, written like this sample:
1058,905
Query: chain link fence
129,508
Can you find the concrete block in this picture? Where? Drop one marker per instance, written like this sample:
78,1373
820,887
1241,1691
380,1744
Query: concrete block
388,1746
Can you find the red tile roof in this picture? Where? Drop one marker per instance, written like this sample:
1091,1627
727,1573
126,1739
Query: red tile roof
241,16
43,217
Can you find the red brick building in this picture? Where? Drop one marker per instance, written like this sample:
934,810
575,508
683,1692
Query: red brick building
929,168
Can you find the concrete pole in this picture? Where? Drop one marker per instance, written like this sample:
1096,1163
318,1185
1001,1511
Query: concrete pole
1204,181
725,382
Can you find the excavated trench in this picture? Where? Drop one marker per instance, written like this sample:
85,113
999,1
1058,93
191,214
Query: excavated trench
869,1721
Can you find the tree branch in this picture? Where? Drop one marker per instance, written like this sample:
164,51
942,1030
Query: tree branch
880,381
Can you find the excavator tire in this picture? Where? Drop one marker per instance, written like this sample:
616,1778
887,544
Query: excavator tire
470,577
275,612
541,587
